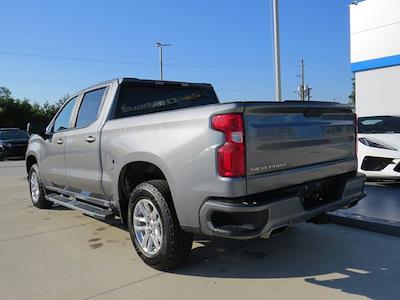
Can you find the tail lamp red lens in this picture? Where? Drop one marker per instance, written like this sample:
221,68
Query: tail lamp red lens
231,156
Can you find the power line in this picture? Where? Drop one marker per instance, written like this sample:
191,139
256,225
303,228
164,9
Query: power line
43,81
73,58
128,56
86,84
67,50
134,62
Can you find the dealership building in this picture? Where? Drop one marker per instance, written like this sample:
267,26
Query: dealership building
375,56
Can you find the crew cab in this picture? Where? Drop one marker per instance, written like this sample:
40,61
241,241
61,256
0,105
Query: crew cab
169,161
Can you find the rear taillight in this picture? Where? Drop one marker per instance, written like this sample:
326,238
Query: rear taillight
231,156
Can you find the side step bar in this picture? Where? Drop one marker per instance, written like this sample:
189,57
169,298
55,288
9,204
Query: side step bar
85,208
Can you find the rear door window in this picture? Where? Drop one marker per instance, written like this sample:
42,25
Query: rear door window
143,98
89,108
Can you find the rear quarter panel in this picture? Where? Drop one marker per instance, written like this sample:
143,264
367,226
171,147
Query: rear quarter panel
182,144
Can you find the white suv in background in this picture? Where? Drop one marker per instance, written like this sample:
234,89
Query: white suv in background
379,147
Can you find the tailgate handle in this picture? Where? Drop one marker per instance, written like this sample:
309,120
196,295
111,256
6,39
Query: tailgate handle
313,113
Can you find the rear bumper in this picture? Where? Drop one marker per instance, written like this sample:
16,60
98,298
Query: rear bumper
261,217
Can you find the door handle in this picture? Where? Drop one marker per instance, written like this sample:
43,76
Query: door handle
60,141
90,139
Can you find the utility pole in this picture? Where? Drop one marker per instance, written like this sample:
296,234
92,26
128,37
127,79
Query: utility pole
160,47
277,56
303,90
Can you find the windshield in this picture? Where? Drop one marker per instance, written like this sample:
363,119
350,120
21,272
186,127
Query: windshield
13,135
383,124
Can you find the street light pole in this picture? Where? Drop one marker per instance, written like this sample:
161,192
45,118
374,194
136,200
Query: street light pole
161,62
160,47
277,55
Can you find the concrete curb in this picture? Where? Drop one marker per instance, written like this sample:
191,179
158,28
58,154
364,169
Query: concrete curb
367,223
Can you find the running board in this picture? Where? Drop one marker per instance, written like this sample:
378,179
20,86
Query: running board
85,208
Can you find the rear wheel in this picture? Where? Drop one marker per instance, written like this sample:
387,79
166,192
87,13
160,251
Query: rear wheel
154,228
37,189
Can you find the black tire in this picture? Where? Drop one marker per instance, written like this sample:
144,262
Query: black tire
176,243
41,202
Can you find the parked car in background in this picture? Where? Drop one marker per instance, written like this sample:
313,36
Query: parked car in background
13,143
379,147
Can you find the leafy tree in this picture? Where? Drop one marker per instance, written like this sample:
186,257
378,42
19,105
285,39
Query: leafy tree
17,113
51,109
5,92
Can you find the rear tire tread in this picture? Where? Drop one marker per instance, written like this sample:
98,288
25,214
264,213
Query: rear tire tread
179,242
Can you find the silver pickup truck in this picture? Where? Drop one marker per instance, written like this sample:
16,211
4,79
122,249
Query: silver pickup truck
169,160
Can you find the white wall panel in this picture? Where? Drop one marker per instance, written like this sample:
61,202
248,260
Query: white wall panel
378,92
374,29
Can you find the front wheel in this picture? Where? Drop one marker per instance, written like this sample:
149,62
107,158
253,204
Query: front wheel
154,228
37,189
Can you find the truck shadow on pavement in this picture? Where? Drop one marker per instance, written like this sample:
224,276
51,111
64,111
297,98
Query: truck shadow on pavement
353,261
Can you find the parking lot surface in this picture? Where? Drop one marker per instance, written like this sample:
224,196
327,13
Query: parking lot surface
382,201
61,254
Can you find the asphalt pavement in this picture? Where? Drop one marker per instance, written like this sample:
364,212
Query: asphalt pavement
61,254
379,211
381,202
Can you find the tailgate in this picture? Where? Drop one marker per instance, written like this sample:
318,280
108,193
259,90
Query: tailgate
288,135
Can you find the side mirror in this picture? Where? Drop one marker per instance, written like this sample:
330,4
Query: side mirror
36,128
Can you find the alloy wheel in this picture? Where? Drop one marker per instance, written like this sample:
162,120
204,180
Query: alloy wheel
147,227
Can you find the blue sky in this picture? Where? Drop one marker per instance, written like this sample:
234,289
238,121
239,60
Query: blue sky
51,48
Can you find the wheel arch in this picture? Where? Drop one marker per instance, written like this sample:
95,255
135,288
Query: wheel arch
133,173
30,161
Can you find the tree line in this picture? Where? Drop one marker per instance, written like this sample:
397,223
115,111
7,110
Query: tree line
18,113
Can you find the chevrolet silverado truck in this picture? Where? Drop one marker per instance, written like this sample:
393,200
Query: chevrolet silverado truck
170,161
